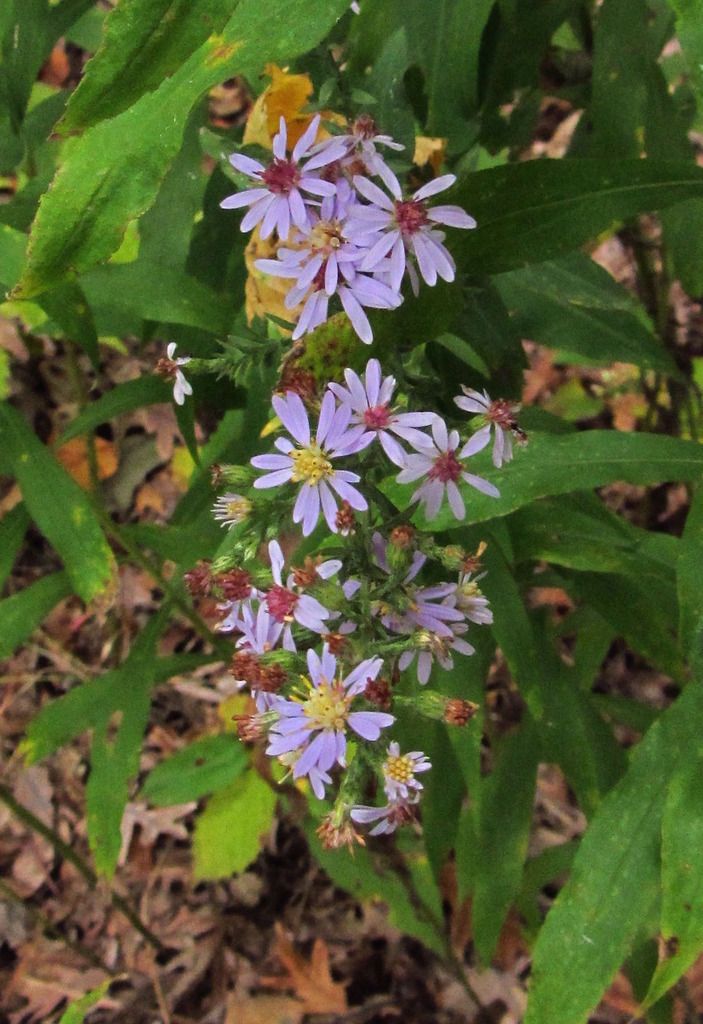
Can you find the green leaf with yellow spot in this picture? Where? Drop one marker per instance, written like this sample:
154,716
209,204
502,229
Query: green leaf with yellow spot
112,174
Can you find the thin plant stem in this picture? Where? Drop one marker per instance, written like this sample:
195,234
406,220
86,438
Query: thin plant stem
70,855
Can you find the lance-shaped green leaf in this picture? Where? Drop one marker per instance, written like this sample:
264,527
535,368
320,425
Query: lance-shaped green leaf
13,527
534,211
558,464
142,45
23,612
689,573
682,875
574,304
595,921
132,394
58,506
111,175
505,815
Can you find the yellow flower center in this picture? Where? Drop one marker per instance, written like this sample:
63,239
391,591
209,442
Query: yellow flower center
326,235
238,509
327,706
399,769
310,465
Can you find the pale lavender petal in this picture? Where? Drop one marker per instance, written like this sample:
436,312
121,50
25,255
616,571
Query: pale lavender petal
481,485
393,450
373,380
476,443
349,493
246,165
440,184
452,216
329,506
424,667
331,275
310,613
279,142
309,757
405,660
498,447
359,320
456,502
368,724
397,263
306,139
471,404
378,251
372,192
439,432
317,186
277,560
327,411
272,479
270,221
256,213
298,213
292,414
425,259
246,198
444,264
271,462
432,495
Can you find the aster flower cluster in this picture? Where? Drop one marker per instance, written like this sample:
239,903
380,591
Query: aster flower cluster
322,639
339,234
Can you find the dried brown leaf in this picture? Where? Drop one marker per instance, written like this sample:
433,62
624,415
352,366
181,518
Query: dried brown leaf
311,979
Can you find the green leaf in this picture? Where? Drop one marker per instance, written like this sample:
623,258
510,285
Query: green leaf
689,574
689,31
13,245
595,921
576,305
142,45
228,833
178,299
77,1011
111,175
554,464
203,767
59,507
23,612
536,210
133,394
504,819
13,527
117,741
85,706
369,877
571,732
682,874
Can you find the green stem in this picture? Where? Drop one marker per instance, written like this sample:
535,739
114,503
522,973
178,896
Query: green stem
70,855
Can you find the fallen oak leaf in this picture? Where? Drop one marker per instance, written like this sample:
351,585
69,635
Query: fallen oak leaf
310,980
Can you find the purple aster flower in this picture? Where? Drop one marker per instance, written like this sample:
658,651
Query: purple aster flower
314,726
440,462
471,601
260,630
361,142
171,368
499,416
399,772
389,818
286,605
431,646
309,462
325,264
370,402
278,201
231,509
407,228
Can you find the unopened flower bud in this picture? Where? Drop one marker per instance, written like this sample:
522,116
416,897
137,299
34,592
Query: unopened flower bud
334,835
402,537
336,642
378,691
235,584
459,712
237,476
345,520
302,382
198,580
